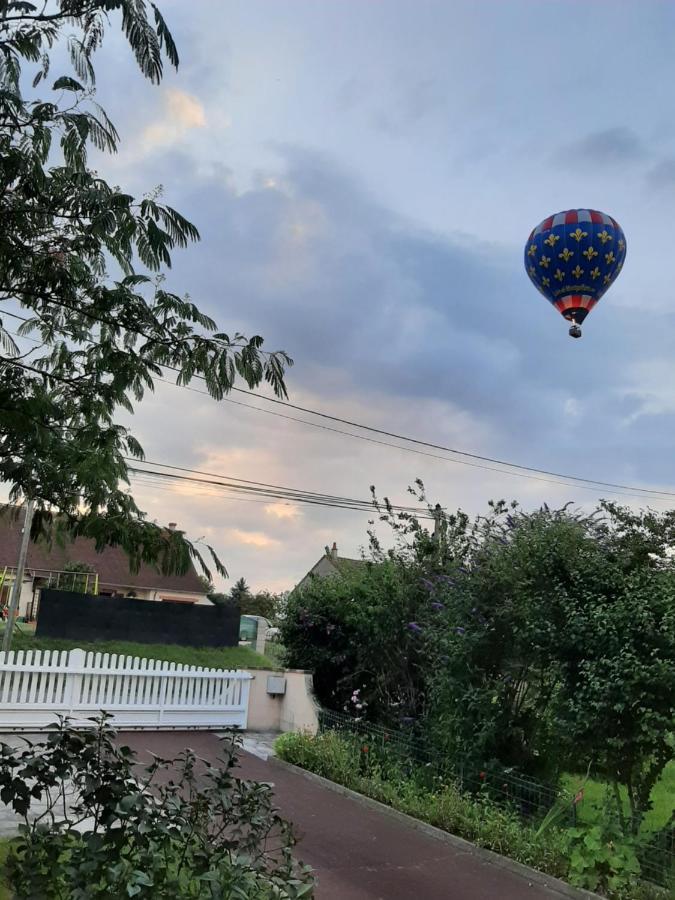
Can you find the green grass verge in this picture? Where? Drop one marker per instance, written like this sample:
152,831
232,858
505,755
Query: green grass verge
598,797
210,657
5,893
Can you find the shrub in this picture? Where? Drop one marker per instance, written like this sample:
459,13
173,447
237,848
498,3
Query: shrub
106,827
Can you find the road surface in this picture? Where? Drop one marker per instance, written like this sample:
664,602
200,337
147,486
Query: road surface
359,853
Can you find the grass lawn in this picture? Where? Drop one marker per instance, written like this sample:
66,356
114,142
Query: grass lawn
4,889
210,657
597,795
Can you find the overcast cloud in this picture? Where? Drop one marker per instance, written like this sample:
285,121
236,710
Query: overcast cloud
364,176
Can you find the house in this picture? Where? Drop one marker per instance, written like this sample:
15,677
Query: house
110,576
332,565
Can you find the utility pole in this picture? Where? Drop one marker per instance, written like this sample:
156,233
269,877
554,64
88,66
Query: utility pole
18,579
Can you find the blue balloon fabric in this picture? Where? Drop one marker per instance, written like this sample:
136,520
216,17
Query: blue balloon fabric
572,258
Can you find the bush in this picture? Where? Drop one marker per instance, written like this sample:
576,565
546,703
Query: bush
353,633
107,828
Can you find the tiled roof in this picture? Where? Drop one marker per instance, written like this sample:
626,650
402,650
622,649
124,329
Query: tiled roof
112,564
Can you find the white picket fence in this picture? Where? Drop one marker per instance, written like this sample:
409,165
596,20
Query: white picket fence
37,686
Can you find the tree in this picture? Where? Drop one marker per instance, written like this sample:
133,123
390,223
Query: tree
542,640
81,262
240,592
263,604
207,585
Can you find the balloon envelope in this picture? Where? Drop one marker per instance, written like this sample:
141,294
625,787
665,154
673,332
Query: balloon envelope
572,258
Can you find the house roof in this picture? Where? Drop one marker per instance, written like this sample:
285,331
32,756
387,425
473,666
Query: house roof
346,566
112,564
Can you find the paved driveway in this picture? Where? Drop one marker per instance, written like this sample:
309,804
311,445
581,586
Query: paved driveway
360,853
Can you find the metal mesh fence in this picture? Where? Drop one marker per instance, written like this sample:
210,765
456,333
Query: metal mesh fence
529,798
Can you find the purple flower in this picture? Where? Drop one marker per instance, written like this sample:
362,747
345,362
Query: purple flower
429,585
414,627
447,579
510,521
407,720
437,606
460,630
445,659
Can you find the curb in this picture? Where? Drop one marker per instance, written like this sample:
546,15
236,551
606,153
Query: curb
488,856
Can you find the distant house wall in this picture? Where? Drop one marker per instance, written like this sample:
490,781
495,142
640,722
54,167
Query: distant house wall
155,594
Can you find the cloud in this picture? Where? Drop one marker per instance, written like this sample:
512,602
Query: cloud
410,103
437,336
283,511
252,538
618,146
182,113
662,174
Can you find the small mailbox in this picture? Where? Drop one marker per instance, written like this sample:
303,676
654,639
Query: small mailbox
276,684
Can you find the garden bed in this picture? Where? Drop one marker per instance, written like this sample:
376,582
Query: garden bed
473,817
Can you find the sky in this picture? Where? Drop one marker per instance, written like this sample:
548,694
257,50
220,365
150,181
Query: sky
364,175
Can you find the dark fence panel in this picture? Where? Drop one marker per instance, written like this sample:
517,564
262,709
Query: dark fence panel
84,617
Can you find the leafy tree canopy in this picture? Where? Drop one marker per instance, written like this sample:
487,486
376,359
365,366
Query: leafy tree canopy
81,263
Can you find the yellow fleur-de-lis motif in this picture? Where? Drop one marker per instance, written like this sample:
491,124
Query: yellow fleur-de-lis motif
546,281
595,273
589,253
609,257
579,235
607,279
532,250
605,236
578,272
544,261
559,275
532,271
552,240
566,254
621,245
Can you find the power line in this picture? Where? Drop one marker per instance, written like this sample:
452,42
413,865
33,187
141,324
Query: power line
461,462
523,471
279,493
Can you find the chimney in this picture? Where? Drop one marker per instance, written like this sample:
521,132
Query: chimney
172,526
333,552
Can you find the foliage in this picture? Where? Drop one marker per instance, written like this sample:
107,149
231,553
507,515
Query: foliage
207,585
220,599
346,760
79,264
80,584
175,829
354,633
543,640
264,604
210,657
240,591
602,859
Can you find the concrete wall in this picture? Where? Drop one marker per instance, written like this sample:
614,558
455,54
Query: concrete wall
296,710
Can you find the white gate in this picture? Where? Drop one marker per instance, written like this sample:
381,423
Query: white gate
36,686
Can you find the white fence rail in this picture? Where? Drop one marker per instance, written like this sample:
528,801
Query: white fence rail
37,686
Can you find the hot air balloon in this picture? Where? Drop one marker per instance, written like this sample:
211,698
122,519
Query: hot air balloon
572,258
